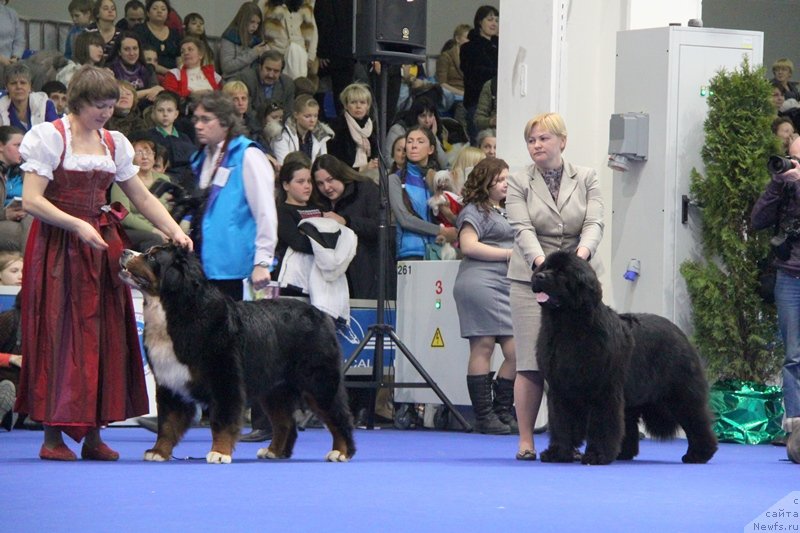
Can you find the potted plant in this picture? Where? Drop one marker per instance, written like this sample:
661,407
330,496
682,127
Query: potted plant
734,329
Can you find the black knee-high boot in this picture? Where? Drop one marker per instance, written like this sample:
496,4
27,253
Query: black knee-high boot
504,402
480,394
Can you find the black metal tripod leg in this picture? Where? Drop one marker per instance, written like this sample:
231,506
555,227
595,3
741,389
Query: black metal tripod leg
359,349
429,380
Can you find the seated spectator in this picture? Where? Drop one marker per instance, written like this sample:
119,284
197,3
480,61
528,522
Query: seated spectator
352,200
126,118
156,33
11,269
782,70
311,263
241,101
88,51
355,135
408,198
193,75
12,35
57,93
422,113
21,107
241,43
141,231
486,112
467,158
783,128
14,222
479,56
10,364
302,131
129,65
179,146
194,25
150,57
134,15
81,13
293,205
271,129
449,74
265,83
105,17
487,142
290,28
398,155
161,160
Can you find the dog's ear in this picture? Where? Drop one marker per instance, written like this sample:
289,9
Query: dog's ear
586,291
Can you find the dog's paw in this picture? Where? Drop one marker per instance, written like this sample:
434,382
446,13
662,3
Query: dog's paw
335,456
557,455
155,456
218,458
266,453
594,458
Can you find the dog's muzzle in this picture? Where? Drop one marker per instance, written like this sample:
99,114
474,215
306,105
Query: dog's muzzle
126,256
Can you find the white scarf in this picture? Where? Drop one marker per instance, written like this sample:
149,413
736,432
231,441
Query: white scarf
361,138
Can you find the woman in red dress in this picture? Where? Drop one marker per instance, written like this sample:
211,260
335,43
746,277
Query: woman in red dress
83,367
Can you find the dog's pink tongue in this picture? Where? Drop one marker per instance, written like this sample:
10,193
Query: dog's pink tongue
542,297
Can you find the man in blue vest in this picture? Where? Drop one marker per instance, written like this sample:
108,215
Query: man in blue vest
238,227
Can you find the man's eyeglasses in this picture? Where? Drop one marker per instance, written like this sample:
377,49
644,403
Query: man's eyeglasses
203,119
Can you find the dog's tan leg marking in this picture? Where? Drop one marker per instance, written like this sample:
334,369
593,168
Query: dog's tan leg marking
339,452
282,428
171,428
222,445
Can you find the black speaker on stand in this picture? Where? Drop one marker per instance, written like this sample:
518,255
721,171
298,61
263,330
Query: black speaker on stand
391,32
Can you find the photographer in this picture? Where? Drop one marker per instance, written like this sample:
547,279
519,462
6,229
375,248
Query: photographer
780,204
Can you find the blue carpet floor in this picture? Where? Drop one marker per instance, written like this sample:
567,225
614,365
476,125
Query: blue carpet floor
415,480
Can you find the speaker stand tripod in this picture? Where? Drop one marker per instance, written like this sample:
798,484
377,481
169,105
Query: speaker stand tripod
380,330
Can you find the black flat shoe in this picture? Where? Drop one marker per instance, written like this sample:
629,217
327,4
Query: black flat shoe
257,435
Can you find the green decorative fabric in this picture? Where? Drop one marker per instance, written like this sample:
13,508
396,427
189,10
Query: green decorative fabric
746,412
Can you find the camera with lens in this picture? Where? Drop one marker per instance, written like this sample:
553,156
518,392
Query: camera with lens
778,164
783,241
182,204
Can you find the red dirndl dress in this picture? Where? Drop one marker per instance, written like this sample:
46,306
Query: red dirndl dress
82,365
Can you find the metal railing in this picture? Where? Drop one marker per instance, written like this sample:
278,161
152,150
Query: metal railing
45,34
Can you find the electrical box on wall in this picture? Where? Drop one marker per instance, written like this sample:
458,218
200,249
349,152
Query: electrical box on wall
628,136
661,72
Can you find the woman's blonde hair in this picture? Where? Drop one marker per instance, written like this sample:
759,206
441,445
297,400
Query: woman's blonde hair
355,91
783,63
552,122
468,157
7,258
303,101
234,87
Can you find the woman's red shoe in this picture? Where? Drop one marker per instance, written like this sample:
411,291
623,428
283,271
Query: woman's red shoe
59,453
101,453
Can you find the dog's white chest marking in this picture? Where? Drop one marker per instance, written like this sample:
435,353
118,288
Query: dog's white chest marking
168,371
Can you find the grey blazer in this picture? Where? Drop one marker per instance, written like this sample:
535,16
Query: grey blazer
542,226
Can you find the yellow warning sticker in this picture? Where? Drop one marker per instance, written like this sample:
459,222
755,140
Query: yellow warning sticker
438,341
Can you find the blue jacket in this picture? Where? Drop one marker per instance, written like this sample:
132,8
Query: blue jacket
409,243
228,226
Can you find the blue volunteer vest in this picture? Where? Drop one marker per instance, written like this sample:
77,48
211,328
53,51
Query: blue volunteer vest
229,230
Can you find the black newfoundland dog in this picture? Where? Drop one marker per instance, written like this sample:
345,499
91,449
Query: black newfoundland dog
605,371
205,348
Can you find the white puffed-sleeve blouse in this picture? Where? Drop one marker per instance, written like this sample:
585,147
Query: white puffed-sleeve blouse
43,145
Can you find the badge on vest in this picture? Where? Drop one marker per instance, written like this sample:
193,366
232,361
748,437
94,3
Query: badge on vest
221,177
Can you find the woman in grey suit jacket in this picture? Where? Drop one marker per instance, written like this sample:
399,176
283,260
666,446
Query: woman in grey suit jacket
552,206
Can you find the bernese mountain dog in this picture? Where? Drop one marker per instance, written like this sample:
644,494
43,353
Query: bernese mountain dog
206,349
